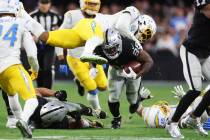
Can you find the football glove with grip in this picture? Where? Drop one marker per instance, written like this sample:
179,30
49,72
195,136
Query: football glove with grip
33,74
61,95
178,91
130,75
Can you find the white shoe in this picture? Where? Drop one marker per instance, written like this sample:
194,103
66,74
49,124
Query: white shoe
174,131
24,129
11,122
196,124
93,59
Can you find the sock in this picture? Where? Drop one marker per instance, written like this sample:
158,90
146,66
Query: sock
203,105
15,106
93,100
114,108
29,108
184,103
6,100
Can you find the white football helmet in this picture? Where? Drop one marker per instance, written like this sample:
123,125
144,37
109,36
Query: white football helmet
91,7
9,6
146,28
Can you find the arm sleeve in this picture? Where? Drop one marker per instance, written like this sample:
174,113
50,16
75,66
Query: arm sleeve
123,26
67,22
31,51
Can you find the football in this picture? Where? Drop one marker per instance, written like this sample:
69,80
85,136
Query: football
135,65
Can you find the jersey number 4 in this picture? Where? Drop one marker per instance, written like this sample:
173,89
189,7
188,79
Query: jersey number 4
11,34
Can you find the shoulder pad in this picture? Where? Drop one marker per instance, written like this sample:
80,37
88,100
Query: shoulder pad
133,11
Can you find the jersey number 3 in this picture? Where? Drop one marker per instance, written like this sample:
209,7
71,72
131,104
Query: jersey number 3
11,34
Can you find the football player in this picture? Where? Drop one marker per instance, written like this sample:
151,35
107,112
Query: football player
14,79
54,112
81,70
157,115
119,51
195,55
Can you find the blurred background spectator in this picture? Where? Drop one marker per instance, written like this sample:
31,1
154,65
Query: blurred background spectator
173,18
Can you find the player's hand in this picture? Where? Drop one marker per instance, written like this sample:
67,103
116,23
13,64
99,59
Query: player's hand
93,72
61,95
145,93
33,74
130,75
178,91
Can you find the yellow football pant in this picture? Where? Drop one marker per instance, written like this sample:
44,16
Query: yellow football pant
81,72
16,79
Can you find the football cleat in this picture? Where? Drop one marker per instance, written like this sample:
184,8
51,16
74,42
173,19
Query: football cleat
93,59
11,122
99,114
196,124
174,130
24,129
116,123
80,88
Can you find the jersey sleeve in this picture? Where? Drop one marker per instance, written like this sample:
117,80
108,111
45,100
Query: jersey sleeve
200,3
31,50
133,11
67,22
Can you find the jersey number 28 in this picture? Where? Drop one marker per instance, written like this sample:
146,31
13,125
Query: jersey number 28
11,34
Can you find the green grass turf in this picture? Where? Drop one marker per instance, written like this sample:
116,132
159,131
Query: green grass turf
131,129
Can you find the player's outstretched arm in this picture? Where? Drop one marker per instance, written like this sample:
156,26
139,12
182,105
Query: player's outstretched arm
206,11
147,61
124,22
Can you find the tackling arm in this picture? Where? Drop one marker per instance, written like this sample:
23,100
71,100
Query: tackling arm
206,11
147,61
124,22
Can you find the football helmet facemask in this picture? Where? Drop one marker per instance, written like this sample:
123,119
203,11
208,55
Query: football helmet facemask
113,45
146,28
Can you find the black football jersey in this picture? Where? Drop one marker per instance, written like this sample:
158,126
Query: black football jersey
198,41
130,52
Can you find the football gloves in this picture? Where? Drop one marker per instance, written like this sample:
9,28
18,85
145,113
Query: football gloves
178,92
61,95
33,74
130,75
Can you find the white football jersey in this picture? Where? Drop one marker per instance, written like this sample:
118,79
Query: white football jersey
13,35
106,21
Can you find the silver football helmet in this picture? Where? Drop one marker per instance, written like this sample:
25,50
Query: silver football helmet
146,28
113,45
52,112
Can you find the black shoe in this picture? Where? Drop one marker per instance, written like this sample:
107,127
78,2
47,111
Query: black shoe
80,88
116,123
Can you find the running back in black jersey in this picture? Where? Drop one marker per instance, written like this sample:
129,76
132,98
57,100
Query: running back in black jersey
198,41
130,52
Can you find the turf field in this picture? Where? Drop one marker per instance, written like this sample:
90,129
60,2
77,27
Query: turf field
131,129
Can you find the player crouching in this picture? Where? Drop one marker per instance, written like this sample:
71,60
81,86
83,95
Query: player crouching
14,79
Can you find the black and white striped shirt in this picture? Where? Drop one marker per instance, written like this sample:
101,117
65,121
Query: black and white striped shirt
50,21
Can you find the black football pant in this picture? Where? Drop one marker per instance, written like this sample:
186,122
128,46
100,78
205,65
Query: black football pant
46,60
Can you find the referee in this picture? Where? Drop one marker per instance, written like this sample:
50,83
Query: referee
46,54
